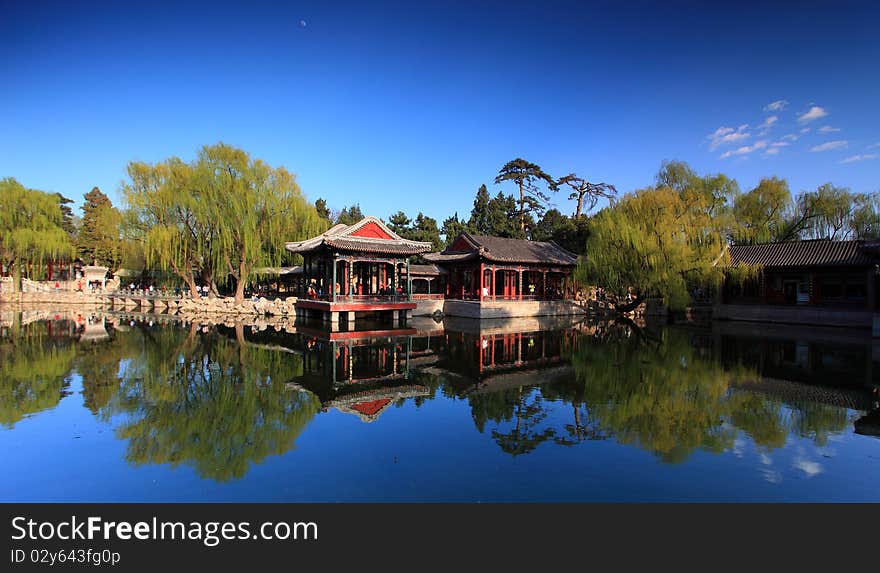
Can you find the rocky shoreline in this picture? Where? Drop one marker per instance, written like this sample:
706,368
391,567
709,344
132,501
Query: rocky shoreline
195,307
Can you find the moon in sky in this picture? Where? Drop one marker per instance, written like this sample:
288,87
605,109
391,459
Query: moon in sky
302,23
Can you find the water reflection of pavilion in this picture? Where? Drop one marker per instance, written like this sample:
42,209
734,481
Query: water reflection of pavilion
359,372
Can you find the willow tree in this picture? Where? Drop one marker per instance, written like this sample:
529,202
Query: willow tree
254,209
761,213
658,242
31,228
528,177
165,211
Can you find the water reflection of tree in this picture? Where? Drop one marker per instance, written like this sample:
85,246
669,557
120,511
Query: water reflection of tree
209,402
662,391
34,369
658,395
664,395
98,365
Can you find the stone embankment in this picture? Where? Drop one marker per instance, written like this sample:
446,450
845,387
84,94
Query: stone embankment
210,306
195,307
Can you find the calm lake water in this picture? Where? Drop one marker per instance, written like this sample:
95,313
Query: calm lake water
126,408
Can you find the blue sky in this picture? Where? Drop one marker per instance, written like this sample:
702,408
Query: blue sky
413,105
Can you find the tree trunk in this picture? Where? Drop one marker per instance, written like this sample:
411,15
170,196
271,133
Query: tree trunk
632,305
522,208
240,282
577,214
191,283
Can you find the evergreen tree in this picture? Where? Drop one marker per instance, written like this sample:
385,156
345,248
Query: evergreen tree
350,215
584,191
503,218
479,221
453,227
425,229
322,209
527,177
68,221
399,223
98,239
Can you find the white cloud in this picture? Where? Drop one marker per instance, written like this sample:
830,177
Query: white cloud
745,149
776,147
725,135
765,127
810,468
873,146
805,130
790,137
829,145
860,157
777,105
815,112
828,129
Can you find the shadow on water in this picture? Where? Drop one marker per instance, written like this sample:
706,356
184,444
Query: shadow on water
221,398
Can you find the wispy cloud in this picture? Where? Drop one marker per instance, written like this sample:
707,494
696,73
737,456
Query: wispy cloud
814,113
777,105
805,130
726,135
767,124
776,147
828,129
745,149
873,145
790,137
829,145
860,157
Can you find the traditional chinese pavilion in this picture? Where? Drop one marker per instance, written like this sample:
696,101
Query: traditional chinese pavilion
359,268
484,268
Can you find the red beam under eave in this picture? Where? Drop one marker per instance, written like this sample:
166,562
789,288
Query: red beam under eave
354,306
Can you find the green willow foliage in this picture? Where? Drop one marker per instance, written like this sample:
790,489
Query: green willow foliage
659,241
210,403
33,372
218,217
666,397
31,227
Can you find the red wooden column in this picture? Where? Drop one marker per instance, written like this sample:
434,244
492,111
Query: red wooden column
519,284
482,278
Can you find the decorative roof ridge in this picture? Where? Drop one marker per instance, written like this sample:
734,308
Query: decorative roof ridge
374,240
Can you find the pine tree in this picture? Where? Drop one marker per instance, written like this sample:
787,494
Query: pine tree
98,239
479,221
527,176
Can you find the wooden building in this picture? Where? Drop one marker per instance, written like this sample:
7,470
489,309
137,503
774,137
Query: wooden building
481,267
809,282
359,268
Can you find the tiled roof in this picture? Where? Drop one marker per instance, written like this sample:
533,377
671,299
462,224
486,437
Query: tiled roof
342,237
429,270
451,257
802,254
505,250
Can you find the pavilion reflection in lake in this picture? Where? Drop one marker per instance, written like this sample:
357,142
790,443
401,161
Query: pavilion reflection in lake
357,372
